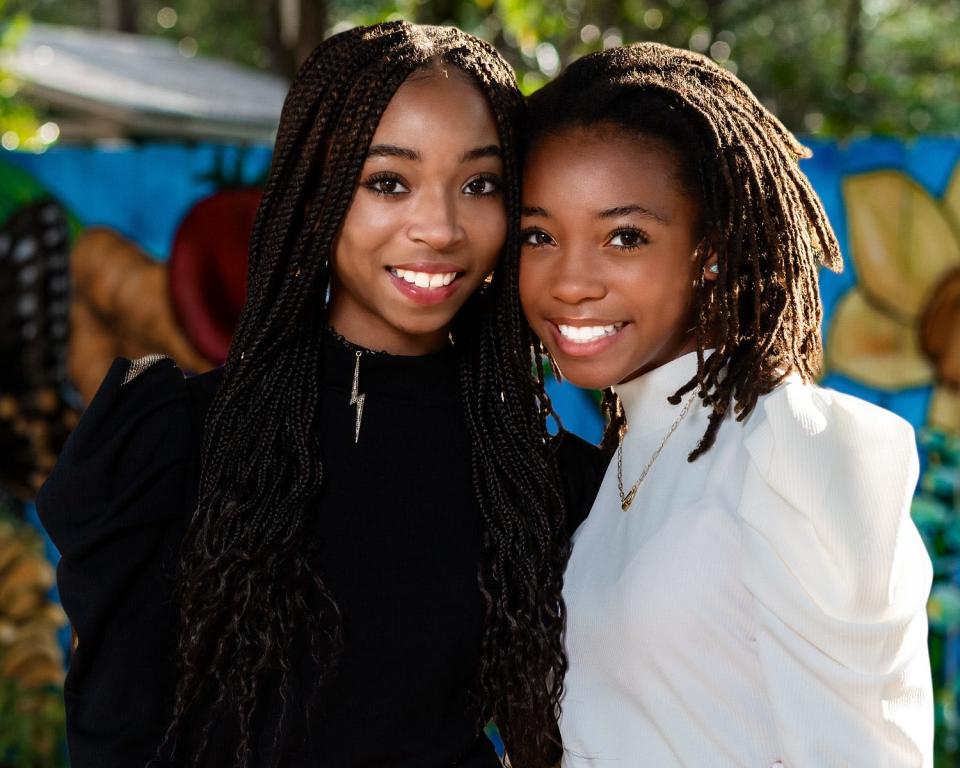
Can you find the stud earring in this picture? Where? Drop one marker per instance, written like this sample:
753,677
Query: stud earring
714,269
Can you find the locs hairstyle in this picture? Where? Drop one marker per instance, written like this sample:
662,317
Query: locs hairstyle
758,213
246,577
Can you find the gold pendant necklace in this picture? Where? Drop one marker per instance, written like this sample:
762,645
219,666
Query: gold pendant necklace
626,499
357,398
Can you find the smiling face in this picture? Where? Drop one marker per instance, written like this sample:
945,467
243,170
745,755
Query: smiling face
609,262
427,220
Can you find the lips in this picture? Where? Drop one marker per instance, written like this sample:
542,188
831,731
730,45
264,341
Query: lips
424,279
583,334
585,337
426,282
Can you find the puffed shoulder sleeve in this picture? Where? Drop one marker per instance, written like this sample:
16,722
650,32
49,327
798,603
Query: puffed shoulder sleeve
840,580
114,506
582,466
128,445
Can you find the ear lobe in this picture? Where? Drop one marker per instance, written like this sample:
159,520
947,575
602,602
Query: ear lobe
711,268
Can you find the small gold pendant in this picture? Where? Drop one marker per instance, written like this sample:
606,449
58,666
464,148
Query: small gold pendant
628,499
356,398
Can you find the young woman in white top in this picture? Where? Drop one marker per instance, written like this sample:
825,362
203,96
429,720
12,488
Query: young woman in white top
748,589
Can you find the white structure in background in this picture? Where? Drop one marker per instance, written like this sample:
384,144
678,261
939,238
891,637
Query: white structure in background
114,85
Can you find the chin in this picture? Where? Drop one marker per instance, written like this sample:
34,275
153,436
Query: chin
587,375
424,326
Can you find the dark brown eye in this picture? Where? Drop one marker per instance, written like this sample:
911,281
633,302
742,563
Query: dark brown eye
385,185
628,237
388,185
536,237
482,186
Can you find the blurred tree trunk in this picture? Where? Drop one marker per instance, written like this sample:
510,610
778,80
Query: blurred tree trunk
120,15
290,30
853,35
313,27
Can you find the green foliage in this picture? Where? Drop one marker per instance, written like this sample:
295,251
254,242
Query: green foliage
827,68
18,120
231,29
936,511
32,727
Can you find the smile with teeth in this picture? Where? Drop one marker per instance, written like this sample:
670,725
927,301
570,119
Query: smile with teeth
424,279
582,334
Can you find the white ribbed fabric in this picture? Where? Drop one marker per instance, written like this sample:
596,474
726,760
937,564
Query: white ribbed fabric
765,603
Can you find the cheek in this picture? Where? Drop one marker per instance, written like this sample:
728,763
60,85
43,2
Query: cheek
672,292
533,279
488,231
664,280
365,229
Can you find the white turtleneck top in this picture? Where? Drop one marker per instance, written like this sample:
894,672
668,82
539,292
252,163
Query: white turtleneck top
764,604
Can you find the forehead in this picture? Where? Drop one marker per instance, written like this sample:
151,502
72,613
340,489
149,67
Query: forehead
598,169
440,102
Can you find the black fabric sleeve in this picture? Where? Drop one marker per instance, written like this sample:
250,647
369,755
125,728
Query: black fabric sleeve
582,466
114,505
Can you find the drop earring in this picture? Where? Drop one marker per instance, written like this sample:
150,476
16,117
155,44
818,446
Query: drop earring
554,369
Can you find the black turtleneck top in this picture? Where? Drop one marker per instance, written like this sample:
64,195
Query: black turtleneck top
398,529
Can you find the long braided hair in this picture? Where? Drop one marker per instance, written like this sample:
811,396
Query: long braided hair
246,580
759,214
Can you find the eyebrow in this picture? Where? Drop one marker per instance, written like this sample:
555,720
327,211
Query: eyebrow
607,213
491,150
534,210
405,153
392,150
626,210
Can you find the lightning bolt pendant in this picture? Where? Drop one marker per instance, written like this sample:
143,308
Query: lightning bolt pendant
356,398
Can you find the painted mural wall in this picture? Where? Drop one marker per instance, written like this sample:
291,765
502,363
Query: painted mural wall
134,250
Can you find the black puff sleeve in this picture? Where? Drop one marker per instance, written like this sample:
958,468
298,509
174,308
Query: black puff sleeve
115,506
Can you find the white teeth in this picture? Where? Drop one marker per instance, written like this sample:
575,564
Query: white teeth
425,279
584,333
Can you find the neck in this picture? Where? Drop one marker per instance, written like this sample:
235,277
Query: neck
645,398
385,338
678,347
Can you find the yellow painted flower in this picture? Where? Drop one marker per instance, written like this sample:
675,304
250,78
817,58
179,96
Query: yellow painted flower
899,326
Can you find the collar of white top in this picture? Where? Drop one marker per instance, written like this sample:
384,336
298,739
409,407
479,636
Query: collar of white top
644,398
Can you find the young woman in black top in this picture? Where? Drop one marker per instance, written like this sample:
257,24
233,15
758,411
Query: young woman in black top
345,547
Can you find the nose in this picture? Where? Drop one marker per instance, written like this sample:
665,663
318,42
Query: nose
576,278
436,222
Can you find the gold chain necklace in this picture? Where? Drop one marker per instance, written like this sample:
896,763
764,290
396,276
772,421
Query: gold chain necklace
626,499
